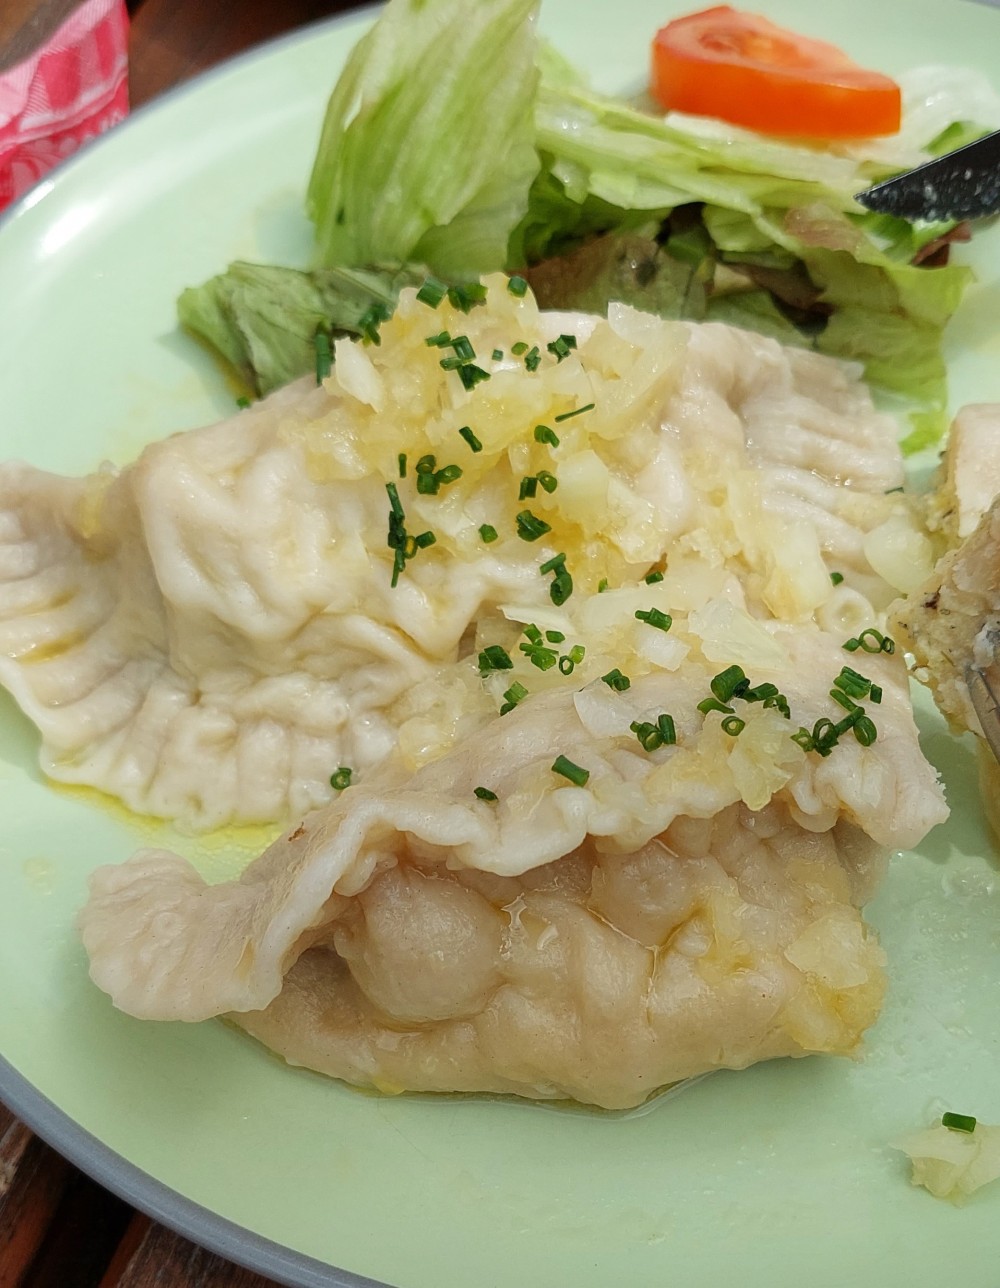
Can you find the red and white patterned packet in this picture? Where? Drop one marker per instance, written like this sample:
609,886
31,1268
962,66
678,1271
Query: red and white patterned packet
72,88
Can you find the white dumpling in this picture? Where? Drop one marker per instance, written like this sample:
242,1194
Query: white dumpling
685,908
210,632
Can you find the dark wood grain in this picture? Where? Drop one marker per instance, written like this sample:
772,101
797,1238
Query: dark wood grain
33,1180
174,39
158,1258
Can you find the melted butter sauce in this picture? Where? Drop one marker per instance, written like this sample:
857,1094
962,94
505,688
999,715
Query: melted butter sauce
220,855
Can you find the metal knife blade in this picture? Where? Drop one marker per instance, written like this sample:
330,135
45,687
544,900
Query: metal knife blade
964,184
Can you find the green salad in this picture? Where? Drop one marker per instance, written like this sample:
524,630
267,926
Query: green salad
456,142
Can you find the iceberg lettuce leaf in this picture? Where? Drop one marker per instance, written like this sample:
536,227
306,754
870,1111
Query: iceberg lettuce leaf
427,149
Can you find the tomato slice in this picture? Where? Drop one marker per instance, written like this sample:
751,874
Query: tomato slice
745,69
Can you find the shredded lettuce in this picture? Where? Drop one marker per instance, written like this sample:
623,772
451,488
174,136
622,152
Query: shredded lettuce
456,139
778,216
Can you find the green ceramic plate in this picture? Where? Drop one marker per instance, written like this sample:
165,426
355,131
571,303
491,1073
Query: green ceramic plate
779,1175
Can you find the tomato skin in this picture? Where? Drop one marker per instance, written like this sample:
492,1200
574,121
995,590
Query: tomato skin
742,68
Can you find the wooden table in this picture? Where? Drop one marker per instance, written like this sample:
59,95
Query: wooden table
58,1228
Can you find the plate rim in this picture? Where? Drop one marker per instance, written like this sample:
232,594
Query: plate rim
58,1129
161,1202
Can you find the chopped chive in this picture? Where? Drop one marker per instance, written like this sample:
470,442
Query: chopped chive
471,375
545,435
562,583
371,320
324,356
853,683
463,348
497,355
875,694
651,578
465,298
519,348
427,464
485,794
395,505
561,588
733,725
424,539
824,736
713,704
243,402
428,484
487,533
341,779
448,474
572,659
668,731
528,488
865,731
804,738
958,1122
730,683
560,347
577,411
432,292
575,773
517,286
780,703
889,490
872,641
548,481
494,658
555,637
760,693
836,578
845,701
530,527
849,721
401,461
452,363
533,359
615,680
654,617
439,341
474,443
396,538
648,734
533,633
513,696
602,585
538,655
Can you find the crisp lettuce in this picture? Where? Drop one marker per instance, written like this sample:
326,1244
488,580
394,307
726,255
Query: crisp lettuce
786,250
456,139
427,149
